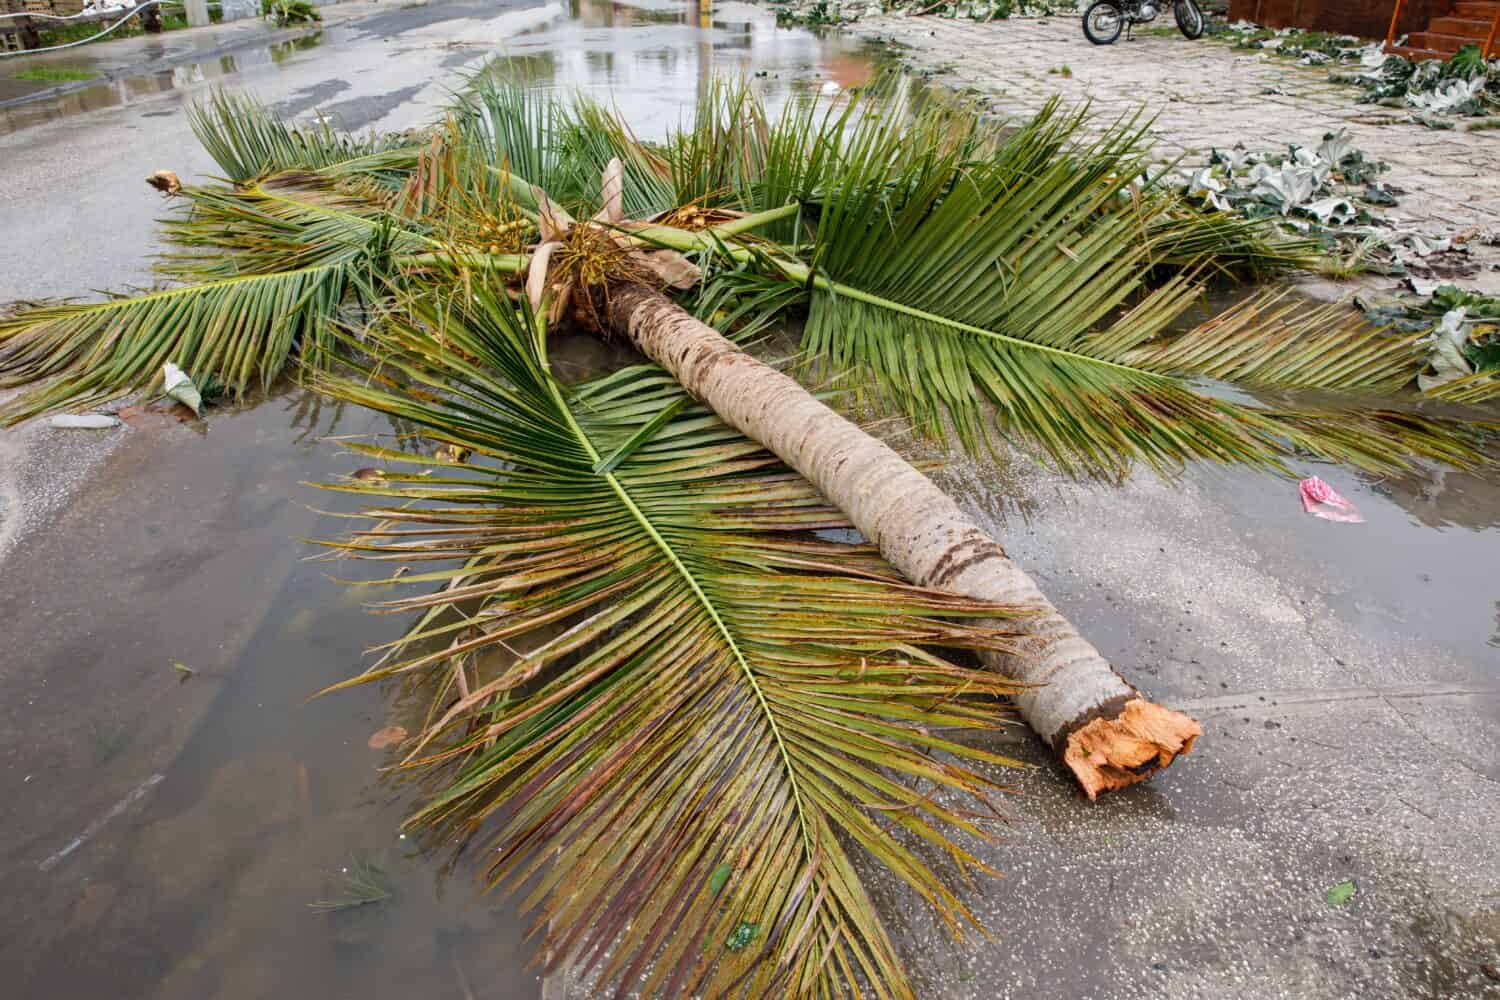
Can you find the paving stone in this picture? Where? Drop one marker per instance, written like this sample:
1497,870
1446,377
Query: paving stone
1205,94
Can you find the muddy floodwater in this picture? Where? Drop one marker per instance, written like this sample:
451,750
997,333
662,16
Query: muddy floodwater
176,816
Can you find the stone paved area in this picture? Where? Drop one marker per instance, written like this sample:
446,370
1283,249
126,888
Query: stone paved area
1206,94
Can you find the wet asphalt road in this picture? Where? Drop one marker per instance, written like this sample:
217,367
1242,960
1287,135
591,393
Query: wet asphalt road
1348,676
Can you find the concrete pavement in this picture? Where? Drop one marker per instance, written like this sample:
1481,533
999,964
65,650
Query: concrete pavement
1347,675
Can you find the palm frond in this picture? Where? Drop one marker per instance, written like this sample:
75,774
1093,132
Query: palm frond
725,149
282,224
1474,388
1010,274
1096,411
593,135
248,142
518,129
240,331
665,706
1184,237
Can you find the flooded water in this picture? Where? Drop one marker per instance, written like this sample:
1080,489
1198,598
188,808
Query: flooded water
646,56
166,833
128,89
77,216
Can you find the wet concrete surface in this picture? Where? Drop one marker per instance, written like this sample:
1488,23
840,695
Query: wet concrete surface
123,69
1348,676
1348,681
167,834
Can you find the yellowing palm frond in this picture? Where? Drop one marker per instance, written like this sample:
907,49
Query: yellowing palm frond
667,707
239,331
248,142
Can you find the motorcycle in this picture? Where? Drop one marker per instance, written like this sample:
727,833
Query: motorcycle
1105,19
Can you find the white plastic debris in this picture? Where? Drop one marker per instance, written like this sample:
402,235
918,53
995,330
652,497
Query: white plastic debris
84,421
1334,211
1445,355
1333,149
1449,95
1289,185
1208,187
177,384
1373,56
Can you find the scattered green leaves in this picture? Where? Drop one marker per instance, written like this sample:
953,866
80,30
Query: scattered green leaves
744,935
1340,893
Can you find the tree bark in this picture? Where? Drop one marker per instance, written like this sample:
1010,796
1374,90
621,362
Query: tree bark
1102,728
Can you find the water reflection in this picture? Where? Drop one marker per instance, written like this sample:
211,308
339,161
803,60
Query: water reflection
192,821
647,57
1440,497
130,89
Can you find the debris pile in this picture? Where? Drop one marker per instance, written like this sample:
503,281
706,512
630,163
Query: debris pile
1315,185
1313,48
1463,86
1463,331
821,12
1332,193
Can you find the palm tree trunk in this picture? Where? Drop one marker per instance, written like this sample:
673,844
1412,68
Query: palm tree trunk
1104,730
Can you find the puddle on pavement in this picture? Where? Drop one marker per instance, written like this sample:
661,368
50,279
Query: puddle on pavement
647,57
125,90
169,833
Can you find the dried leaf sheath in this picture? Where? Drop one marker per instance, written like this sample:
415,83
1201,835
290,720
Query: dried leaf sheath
703,683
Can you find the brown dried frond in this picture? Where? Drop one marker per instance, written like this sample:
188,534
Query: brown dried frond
165,181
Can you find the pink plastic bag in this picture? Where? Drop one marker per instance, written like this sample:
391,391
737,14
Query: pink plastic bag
1321,500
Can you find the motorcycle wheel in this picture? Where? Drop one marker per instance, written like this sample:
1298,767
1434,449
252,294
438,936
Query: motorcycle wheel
1189,18
1103,22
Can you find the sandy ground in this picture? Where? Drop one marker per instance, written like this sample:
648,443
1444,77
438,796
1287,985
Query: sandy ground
1348,676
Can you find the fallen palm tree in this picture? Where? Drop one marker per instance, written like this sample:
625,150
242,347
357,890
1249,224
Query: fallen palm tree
730,699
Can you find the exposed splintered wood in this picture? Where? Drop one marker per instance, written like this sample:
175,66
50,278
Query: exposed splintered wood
1109,753
1103,729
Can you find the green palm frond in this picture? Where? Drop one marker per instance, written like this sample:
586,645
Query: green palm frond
876,138
248,142
510,127
282,224
1184,236
716,159
989,282
665,706
593,135
238,330
724,151
1095,408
